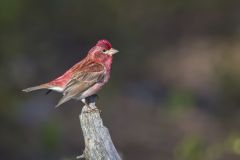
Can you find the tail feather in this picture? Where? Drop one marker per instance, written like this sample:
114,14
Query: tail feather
43,86
63,100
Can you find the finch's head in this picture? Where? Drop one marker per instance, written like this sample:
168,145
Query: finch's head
102,51
105,47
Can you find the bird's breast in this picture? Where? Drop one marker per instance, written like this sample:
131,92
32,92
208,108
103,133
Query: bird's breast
91,91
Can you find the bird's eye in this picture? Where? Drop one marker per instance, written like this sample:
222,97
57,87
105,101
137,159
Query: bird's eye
104,50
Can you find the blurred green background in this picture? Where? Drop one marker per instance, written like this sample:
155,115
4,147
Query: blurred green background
174,92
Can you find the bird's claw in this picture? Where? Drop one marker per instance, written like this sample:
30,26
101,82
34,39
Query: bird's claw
93,110
90,110
87,101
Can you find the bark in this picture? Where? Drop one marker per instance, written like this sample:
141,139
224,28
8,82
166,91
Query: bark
98,142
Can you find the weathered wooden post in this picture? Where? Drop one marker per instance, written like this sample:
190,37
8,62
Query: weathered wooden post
98,142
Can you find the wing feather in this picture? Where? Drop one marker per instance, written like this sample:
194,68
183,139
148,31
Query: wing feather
89,75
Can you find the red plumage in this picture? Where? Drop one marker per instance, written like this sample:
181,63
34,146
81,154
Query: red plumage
86,77
104,43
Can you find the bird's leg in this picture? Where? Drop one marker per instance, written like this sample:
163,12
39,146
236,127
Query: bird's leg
91,100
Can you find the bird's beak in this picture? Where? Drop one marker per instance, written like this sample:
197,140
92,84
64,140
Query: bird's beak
112,51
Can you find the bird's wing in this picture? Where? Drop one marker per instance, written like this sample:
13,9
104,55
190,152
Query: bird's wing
82,80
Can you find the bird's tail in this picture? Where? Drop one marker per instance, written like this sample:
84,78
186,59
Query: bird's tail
42,86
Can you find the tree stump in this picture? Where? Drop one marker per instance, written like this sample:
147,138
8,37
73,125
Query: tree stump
98,142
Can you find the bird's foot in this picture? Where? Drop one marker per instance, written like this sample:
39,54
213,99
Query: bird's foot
90,110
90,101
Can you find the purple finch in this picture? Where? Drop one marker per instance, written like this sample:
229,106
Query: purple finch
86,77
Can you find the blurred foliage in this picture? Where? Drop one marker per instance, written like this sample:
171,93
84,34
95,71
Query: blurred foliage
192,148
174,84
50,136
180,101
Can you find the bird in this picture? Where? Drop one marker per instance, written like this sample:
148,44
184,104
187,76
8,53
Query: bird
85,78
